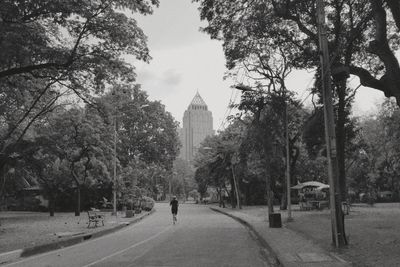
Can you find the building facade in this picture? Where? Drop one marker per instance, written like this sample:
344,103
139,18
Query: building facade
197,125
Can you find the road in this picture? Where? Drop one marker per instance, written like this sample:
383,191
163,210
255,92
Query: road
201,237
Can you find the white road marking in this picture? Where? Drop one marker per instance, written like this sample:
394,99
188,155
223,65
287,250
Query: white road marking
128,248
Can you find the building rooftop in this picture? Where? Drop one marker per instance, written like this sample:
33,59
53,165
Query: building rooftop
198,101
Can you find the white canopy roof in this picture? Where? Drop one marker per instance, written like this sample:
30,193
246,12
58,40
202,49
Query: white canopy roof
317,184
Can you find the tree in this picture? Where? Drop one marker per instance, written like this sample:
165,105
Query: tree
20,110
52,175
146,138
52,48
146,131
377,162
81,138
183,178
362,41
76,39
362,36
213,167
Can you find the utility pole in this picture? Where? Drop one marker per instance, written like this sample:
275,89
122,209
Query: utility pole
114,212
338,234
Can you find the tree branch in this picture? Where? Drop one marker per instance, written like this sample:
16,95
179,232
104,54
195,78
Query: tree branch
366,79
394,6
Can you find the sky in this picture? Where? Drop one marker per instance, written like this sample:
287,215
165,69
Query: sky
185,60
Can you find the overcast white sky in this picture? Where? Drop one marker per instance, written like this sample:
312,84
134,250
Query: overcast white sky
186,60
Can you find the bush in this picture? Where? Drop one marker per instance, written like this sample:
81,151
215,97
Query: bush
147,203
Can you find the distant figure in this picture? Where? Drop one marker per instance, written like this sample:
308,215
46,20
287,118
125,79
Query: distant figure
174,208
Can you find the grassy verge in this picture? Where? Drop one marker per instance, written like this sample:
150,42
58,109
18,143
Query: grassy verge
21,230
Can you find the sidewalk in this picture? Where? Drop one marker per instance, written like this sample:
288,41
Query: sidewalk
289,248
68,240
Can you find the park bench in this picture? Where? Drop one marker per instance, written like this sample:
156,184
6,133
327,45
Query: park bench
95,218
305,205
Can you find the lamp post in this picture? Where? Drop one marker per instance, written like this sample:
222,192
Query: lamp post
114,212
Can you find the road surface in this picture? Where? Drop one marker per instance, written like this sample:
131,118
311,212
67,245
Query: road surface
201,237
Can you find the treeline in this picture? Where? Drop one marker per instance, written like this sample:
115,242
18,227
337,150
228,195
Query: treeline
71,153
71,114
239,155
267,41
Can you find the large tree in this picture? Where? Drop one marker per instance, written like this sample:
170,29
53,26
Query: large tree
362,42
214,166
81,138
145,134
83,40
51,48
377,163
362,34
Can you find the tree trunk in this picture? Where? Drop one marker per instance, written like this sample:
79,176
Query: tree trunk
78,191
237,191
233,194
52,205
3,182
78,200
283,204
341,137
269,193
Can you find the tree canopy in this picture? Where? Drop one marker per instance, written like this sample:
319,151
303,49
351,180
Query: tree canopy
363,35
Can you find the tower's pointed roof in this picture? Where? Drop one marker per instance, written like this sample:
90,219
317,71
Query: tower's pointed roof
198,101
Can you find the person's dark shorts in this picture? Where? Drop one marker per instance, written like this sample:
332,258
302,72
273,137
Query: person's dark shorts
174,211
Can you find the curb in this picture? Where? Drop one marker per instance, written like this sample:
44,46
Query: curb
10,256
30,251
266,250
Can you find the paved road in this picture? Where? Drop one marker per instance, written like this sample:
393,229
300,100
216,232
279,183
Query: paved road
200,238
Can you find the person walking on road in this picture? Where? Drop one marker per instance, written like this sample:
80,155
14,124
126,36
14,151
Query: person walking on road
174,208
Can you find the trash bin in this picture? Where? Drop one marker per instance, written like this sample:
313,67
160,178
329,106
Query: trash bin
275,220
129,213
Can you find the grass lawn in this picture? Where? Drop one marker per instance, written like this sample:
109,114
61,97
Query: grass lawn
26,229
374,232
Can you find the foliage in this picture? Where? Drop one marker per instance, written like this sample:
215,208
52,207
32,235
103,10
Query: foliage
377,165
52,49
362,35
183,179
71,152
268,38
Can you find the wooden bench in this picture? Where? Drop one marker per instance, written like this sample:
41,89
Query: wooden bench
305,205
95,218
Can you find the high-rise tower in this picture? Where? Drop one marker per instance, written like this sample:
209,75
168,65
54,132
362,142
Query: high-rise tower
197,125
